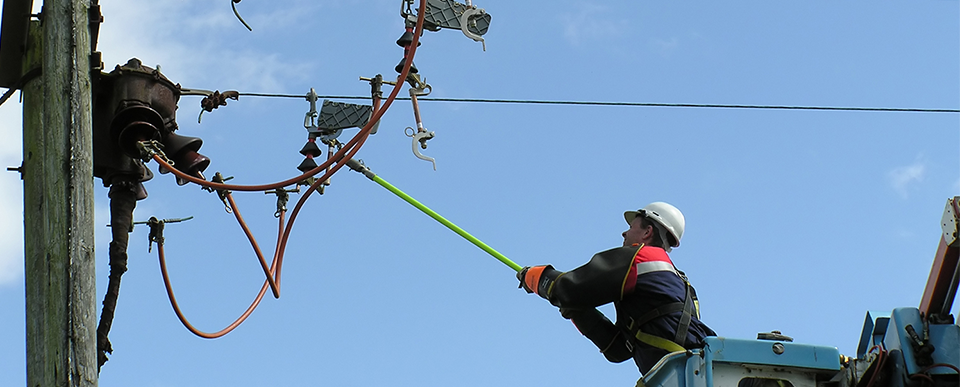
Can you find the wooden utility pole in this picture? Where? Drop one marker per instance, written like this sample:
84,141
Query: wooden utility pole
58,200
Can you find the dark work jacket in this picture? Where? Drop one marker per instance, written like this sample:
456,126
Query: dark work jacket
637,280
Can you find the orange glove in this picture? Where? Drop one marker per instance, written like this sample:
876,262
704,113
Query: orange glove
538,279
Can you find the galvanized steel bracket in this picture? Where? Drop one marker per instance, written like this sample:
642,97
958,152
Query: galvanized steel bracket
469,19
333,117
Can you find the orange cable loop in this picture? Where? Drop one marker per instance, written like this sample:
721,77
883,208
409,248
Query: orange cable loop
282,237
176,307
274,269
256,247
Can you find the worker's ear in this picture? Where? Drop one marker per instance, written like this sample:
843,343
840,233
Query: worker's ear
648,232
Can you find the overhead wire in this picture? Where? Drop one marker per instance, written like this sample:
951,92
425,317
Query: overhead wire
629,104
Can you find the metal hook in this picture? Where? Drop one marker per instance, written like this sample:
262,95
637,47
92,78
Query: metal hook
419,87
421,136
467,20
406,8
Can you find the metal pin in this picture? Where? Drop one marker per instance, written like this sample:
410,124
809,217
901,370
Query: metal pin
372,79
17,169
171,220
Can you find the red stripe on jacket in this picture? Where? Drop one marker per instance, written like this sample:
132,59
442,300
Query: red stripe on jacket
644,254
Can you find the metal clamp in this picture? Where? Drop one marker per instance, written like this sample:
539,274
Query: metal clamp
283,196
151,148
310,120
156,230
156,233
419,87
222,193
333,146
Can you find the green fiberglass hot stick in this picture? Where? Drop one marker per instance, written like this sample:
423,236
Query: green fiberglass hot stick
356,166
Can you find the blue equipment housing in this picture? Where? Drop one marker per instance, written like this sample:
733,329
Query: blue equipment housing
907,347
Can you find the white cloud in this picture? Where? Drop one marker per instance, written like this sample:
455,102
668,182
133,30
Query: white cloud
182,35
903,178
592,22
189,47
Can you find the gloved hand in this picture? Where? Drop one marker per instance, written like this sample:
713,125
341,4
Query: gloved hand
538,279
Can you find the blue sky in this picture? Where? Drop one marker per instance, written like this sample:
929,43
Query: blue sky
798,221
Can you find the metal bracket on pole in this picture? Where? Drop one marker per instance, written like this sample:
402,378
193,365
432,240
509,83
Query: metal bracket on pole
467,18
327,123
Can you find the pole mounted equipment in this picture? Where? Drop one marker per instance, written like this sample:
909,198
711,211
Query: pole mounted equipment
472,21
327,124
134,104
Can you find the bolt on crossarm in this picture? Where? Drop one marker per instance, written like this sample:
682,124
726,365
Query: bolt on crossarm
357,166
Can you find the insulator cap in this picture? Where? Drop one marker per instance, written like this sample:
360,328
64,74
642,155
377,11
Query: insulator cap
307,164
413,67
406,39
310,149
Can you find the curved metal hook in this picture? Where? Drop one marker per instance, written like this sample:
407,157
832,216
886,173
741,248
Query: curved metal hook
466,19
421,136
233,3
423,90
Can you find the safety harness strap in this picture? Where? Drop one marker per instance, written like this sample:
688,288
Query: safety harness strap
687,307
685,318
662,310
658,342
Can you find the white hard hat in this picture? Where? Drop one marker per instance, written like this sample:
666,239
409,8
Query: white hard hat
666,215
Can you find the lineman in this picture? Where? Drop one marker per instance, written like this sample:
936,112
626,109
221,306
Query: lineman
657,308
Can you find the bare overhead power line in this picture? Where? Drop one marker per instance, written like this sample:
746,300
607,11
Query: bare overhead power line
634,104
